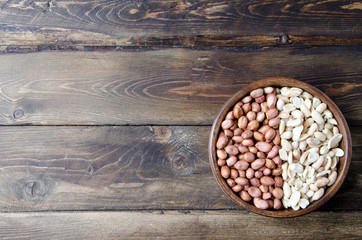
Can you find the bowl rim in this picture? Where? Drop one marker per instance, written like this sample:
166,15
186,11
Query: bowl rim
346,144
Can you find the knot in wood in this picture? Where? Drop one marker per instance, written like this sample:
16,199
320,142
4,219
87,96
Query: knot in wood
284,39
18,114
182,166
34,188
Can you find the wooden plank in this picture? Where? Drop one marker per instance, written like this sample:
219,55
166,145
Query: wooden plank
186,23
183,86
46,168
178,225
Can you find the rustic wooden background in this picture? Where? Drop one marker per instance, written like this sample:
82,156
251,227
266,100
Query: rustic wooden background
106,109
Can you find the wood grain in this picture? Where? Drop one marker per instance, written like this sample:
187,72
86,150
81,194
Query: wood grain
178,225
183,86
191,23
46,168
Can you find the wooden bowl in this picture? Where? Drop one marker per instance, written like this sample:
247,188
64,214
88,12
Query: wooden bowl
346,145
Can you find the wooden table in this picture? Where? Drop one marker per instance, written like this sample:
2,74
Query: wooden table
106,109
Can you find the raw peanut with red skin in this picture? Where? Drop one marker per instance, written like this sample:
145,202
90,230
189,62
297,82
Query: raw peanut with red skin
238,111
250,173
228,133
238,132
235,126
277,172
246,187
255,182
278,193
240,103
263,146
253,125
253,150
229,115
243,149
270,135
241,165
247,142
258,163
273,152
269,163
260,155
274,122
268,90
231,150
254,192
255,107
247,99
237,188
271,100
251,116
263,129
231,182
243,122
277,139
249,157
264,188
231,161
221,162
264,107
221,154
222,142
225,171
267,171
237,139
258,174
270,202
277,160
256,93
277,204
246,107
226,124
267,181
260,203
267,195
258,136
247,134
260,116
241,173
242,181
271,113
260,99
234,173
245,196
278,181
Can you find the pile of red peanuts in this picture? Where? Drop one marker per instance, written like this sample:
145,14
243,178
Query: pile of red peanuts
248,147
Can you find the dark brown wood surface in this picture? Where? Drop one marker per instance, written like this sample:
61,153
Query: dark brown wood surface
106,109
182,23
184,86
178,224
129,168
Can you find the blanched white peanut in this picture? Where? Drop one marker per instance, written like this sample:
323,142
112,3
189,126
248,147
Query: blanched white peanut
332,178
294,199
339,152
333,142
318,194
309,140
317,117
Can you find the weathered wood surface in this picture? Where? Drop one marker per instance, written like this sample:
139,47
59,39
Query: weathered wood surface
123,168
163,86
178,22
178,225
